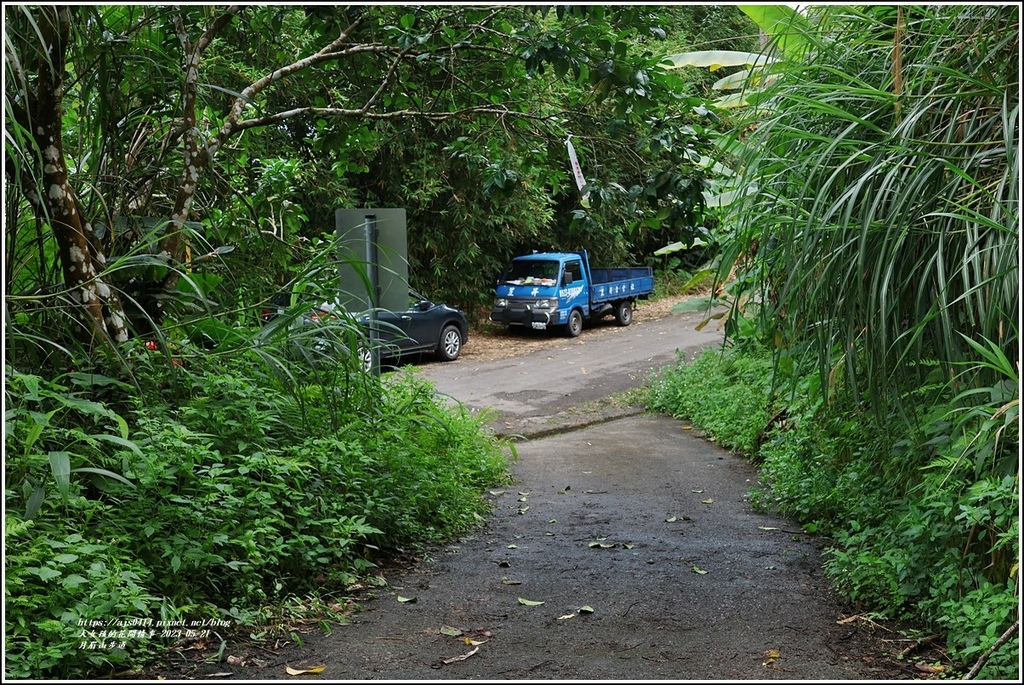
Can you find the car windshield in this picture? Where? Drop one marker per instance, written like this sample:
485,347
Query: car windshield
532,272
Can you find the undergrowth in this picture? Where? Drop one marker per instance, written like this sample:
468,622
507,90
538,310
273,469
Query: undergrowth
921,517
218,490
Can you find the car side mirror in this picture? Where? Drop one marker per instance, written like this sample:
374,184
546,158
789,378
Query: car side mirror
424,305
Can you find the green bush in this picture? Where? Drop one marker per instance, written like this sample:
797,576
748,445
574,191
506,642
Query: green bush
725,392
228,492
921,515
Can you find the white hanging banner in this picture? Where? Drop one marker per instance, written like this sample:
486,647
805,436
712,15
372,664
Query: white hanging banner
577,172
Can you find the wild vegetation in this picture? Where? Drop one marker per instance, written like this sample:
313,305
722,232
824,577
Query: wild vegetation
169,457
873,371
171,168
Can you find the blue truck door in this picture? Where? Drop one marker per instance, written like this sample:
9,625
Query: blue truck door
573,292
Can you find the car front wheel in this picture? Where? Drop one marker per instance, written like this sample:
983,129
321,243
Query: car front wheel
450,344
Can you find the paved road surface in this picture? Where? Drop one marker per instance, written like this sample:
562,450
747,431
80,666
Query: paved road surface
530,392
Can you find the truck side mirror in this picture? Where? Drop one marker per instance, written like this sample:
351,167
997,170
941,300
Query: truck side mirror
567,278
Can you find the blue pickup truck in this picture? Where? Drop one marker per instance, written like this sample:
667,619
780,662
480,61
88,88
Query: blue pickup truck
548,289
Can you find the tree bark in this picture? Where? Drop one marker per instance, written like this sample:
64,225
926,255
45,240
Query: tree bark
54,200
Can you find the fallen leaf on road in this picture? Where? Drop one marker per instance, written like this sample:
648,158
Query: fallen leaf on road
766,528
707,501
671,519
406,600
448,630
699,571
586,609
304,671
462,657
529,603
928,668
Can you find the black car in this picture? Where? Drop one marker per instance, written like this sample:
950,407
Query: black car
424,327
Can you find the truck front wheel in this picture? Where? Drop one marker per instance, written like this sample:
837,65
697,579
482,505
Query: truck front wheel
624,313
575,325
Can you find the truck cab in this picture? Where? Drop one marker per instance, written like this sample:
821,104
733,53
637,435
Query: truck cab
535,290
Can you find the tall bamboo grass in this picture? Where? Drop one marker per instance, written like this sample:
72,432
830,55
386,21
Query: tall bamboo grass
890,197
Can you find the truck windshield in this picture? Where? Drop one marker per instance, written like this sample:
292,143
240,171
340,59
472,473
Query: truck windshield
532,272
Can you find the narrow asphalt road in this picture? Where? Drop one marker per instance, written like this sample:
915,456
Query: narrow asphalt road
544,392
624,550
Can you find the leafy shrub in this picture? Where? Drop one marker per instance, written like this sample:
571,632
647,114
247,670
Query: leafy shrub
725,392
61,590
921,509
229,491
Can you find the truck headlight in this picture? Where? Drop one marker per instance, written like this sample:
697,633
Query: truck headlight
545,304
500,303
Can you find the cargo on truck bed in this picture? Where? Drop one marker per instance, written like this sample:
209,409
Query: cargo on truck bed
560,289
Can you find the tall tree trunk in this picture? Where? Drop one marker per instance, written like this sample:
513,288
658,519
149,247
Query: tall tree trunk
54,200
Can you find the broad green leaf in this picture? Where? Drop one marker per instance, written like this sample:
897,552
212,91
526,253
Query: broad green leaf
714,60
35,500
117,440
727,198
45,572
448,630
105,473
60,465
74,580
699,571
789,27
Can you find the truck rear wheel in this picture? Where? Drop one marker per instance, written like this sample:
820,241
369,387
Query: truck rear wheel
575,325
624,313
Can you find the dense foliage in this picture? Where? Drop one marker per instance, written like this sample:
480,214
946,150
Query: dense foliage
190,139
876,262
169,169
121,507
